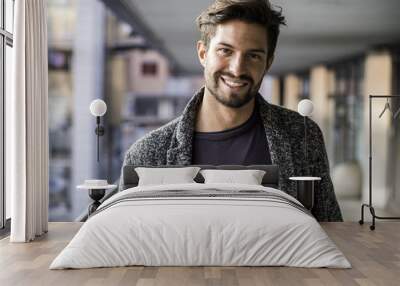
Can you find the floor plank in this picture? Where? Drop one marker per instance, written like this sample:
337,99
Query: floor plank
374,255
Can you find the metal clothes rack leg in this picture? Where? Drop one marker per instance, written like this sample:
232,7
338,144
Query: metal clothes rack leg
370,206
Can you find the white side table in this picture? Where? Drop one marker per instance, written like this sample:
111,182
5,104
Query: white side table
97,190
305,190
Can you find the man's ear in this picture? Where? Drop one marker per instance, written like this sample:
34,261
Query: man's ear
269,63
202,52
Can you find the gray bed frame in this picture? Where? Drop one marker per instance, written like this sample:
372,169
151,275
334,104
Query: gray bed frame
131,179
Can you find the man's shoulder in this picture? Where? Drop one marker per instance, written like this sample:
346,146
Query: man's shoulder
291,120
285,115
152,148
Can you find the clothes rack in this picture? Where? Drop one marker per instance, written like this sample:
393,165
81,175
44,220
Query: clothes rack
370,205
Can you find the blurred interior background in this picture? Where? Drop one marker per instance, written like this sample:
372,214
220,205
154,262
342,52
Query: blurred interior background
140,58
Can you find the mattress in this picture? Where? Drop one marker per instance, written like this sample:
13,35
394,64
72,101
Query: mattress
201,225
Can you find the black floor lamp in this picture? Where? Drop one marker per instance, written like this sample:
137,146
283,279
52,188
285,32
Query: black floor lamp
370,206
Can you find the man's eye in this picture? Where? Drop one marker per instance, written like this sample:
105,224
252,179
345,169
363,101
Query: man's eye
255,57
224,51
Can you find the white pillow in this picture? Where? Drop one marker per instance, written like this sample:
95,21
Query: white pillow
248,177
162,176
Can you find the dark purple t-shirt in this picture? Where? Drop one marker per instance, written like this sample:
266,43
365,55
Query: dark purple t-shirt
243,145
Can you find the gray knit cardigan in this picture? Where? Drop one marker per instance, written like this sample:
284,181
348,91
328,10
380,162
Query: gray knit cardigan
171,144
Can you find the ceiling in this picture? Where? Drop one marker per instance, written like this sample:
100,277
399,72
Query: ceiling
317,31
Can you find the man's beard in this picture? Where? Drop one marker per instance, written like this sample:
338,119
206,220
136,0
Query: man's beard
234,100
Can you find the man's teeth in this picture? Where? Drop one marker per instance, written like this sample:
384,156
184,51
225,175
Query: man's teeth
234,83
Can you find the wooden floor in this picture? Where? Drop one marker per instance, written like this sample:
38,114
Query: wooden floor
375,256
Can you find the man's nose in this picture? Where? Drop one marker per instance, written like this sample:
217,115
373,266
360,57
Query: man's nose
237,65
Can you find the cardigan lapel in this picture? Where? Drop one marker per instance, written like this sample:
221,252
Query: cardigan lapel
278,143
180,150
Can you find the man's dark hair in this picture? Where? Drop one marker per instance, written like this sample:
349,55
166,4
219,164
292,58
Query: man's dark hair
251,11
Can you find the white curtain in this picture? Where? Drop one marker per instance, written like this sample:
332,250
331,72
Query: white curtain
27,123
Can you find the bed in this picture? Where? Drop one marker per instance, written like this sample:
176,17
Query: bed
201,223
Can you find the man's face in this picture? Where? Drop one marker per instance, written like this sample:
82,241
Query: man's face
235,62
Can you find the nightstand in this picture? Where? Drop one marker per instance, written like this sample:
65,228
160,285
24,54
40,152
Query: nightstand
305,190
97,190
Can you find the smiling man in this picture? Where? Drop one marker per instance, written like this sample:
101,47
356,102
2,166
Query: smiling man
228,121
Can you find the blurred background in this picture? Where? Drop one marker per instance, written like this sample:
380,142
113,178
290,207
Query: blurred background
140,58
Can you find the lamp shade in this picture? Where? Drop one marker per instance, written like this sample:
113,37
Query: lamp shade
98,107
305,107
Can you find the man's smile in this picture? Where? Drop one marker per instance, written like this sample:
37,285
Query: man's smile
234,83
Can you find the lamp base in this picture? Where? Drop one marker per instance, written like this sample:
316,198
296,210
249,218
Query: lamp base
96,195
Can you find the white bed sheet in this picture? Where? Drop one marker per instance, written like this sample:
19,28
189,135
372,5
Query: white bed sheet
200,232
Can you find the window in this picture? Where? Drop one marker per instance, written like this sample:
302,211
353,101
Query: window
348,100
6,44
304,78
59,60
149,68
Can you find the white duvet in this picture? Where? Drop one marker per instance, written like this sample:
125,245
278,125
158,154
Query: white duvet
183,231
